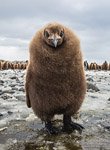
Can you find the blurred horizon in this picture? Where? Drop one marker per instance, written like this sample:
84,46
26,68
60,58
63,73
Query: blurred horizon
24,60
19,21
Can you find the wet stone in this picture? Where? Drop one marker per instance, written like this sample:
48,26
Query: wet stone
7,90
109,99
21,89
6,96
12,85
94,96
1,82
1,115
10,112
14,88
92,87
20,97
14,77
107,127
3,123
1,92
90,79
24,114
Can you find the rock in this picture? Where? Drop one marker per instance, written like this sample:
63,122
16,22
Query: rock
90,79
20,97
109,99
12,85
107,128
14,77
7,90
1,82
106,125
99,80
1,92
3,123
14,88
10,112
21,89
6,96
92,86
24,114
94,96
1,115
90,90
2,129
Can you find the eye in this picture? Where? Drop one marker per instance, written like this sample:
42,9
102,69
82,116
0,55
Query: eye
46,34
61,33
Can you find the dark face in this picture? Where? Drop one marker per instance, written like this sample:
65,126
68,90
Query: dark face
54,37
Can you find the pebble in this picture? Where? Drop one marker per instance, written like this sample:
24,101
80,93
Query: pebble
107,128
13,85
24,114
20,97
1,82
14,77
1,115
3,123
92,86
94,96
10,112
14,88
7,90
90,79
1,92
109,99
21,89
7,96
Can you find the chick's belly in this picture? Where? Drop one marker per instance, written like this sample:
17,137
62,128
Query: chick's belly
55,95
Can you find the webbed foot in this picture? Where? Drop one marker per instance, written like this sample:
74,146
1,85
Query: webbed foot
50,129
70,126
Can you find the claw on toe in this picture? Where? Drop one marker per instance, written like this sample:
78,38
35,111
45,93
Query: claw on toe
77,127
73,126
70,126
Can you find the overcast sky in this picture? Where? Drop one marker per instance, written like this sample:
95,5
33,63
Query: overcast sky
20,19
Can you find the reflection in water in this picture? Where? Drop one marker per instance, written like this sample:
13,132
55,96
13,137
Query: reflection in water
31,136
22,135
59,142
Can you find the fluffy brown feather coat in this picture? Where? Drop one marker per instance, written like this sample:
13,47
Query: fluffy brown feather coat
55,80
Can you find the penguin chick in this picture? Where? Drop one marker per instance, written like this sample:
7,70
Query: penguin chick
55,79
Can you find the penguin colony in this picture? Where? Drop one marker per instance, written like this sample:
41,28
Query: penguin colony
5,65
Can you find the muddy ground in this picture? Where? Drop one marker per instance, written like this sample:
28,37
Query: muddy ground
20,129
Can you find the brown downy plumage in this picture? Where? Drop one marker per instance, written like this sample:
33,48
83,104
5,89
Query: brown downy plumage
55,79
